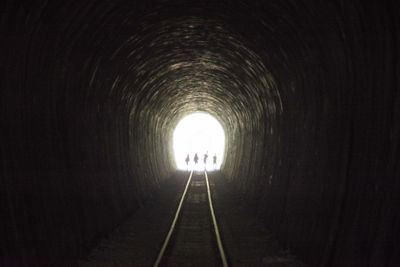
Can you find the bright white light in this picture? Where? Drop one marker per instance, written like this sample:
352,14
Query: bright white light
202,134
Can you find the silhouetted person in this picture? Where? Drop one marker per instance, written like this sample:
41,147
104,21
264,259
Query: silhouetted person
215,160
187,161
205,159
196,158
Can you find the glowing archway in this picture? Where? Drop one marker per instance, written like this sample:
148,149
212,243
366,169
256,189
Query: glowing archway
198,133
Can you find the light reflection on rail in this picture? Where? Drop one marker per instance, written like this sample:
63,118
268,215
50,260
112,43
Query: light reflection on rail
176,217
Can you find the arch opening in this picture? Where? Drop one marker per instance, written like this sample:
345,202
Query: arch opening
201,134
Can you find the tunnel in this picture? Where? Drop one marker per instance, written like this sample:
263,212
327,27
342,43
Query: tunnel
307,93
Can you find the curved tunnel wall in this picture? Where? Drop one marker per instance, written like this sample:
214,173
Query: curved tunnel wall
307,94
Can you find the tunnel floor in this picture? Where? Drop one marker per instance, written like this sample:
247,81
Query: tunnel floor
136,242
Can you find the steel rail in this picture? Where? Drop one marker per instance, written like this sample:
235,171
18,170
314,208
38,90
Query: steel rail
165,244
220,247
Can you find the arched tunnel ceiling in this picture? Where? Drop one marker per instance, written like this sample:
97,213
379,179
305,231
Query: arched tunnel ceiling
306,92
195,65
174,60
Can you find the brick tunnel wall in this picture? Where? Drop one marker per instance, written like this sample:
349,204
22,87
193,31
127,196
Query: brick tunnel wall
307,93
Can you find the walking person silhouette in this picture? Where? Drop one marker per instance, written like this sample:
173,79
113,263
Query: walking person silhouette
187,162
215,161
205,160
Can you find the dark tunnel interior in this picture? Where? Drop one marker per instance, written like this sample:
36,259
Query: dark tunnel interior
307,92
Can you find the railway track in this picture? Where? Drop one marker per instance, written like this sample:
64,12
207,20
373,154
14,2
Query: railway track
193,238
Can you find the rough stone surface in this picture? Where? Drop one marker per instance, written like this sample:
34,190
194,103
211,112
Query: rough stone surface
246,240
307,91
139,239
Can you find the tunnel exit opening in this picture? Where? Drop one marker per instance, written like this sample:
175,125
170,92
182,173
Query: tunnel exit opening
201,134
